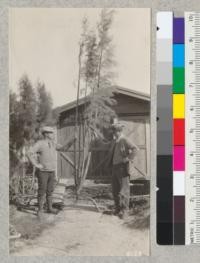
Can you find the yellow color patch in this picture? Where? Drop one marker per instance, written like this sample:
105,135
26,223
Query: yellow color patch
178,106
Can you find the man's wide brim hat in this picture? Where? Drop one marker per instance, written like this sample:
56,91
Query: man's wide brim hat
47,129
117,126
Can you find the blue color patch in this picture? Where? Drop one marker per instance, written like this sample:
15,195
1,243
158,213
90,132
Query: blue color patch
178,55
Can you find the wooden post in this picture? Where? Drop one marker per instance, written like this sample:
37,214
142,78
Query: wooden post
85,172
76,129
23,169
23,172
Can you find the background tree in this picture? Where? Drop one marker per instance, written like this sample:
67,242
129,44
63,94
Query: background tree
44,105
15,130
22,122
28,108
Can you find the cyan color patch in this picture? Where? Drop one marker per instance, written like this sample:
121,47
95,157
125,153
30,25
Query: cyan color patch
178,55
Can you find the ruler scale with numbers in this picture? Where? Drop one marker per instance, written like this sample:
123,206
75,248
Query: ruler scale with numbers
192,131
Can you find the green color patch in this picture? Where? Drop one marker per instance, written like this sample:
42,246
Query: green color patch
178,80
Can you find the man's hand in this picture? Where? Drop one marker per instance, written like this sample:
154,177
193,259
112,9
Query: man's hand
125,159
39,166
130,151
56,178
58,147
66,145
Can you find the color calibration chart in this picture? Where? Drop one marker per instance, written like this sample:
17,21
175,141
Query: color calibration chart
178,128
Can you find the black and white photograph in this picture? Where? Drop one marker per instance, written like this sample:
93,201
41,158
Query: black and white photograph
79,131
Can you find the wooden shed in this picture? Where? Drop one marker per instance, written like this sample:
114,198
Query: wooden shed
132,109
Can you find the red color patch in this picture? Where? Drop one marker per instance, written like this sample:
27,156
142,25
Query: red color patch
179,132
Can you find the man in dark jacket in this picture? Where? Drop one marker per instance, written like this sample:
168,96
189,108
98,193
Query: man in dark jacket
124,152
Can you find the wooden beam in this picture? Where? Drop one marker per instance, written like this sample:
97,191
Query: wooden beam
85,173
68,159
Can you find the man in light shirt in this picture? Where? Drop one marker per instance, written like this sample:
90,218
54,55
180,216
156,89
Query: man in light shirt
124,152
43,157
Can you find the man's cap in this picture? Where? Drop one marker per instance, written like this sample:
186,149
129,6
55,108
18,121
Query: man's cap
47,129
117,126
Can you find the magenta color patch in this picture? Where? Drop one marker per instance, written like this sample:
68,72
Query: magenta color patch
179,158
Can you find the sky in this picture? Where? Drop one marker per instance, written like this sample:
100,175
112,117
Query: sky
43,43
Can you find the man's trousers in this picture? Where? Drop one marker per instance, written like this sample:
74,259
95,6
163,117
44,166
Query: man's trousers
46,180
121,186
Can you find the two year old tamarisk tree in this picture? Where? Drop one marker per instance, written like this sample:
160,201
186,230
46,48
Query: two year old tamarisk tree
95,77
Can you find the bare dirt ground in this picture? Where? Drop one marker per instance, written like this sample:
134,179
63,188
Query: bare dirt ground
81,230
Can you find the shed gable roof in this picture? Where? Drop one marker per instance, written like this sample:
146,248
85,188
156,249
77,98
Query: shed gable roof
119,90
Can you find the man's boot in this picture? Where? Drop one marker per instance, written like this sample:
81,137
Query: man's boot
50,207
116,210
40,212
